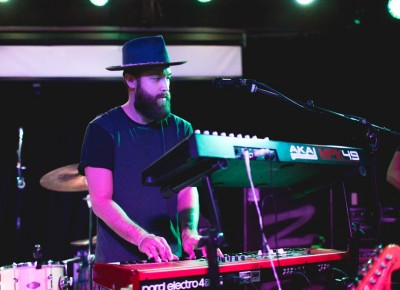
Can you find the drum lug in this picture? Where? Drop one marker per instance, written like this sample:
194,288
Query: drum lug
65,282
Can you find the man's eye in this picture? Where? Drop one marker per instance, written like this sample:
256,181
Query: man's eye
161,77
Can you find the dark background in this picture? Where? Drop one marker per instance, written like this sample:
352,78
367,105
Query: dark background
342,67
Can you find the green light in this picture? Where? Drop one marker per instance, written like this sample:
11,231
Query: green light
99,2
304,2
394,8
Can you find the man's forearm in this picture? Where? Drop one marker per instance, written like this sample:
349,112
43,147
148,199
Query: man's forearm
189,218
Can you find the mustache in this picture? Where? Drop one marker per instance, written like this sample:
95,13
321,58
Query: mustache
166,95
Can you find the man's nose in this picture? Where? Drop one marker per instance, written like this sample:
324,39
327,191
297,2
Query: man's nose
164,83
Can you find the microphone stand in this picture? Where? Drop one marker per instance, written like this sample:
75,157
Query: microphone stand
372,129
20,185
372,136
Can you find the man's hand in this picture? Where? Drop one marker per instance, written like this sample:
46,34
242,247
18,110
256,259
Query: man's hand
157,248
190,243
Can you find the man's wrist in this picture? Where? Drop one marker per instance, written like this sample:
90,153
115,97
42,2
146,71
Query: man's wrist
189,232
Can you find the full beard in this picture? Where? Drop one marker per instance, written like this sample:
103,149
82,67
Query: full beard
151,107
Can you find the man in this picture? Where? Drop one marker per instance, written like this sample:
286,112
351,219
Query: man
134,221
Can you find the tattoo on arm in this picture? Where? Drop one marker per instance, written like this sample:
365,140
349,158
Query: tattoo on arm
188,218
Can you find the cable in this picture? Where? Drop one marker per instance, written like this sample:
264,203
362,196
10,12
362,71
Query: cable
301,274
264,238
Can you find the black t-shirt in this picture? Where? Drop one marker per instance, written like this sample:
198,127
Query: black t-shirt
113,141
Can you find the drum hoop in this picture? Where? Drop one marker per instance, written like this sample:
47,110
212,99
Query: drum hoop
6,267
31,264
25,264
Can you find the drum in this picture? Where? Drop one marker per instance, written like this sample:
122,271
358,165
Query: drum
25,276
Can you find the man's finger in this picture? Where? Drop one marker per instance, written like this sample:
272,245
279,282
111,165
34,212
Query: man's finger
219,252
204,251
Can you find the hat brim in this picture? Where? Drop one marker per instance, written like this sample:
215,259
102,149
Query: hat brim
139,65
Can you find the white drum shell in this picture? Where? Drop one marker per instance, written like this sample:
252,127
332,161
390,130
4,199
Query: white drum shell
25,276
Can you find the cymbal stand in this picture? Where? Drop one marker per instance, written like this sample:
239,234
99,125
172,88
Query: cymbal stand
21,185
90,243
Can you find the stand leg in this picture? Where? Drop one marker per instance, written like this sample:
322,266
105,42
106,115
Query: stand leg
90,257
214,239
211,242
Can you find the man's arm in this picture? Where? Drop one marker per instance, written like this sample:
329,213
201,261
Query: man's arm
189,214
100,186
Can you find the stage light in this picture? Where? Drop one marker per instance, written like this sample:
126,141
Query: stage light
394,8
304,2
4,1
99,2
204,1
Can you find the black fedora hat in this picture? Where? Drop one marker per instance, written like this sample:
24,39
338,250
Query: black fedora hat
144,51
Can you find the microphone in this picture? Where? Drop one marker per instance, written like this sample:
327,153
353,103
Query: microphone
221,83
251,85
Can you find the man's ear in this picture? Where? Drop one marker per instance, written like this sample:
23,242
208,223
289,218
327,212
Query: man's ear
130,80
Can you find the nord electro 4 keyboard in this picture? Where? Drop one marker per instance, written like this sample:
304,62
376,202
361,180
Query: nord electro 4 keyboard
274,164
237,269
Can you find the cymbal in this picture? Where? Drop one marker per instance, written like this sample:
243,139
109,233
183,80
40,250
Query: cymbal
66,179
84,242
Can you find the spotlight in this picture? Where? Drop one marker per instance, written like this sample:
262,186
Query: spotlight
304,2
393,7
98,2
